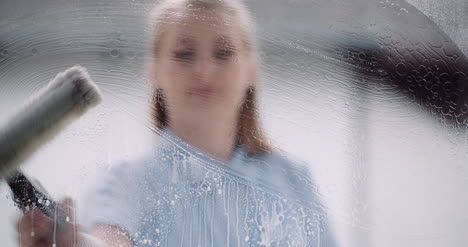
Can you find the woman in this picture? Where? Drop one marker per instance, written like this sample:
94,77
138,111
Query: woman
213,180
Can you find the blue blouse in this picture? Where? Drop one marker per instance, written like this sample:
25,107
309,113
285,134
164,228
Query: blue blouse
177,196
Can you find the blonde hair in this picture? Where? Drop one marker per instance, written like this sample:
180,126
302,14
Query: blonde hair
249,132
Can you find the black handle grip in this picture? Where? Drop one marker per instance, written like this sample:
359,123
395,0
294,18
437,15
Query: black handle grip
28,195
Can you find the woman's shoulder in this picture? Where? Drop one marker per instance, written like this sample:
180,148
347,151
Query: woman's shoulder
290,173
284,163
123,170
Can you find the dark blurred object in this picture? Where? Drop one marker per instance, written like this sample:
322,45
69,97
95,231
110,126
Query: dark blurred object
30,194
423,62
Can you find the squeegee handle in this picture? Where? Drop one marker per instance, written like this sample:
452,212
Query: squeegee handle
28,195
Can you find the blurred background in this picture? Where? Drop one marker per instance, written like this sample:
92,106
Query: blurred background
371,94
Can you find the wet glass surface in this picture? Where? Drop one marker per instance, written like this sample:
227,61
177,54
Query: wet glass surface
365,103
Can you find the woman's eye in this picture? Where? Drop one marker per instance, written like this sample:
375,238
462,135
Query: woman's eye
224,54
184,55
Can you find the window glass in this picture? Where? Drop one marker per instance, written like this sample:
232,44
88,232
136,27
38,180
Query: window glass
331,123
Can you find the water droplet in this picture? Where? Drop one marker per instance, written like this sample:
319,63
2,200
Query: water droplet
401,69
32,234
67,219
114,53
34,51
131,54
4,52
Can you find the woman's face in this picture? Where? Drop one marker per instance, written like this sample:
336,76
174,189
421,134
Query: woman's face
202,66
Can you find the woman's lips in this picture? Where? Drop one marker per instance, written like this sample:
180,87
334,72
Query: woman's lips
202,91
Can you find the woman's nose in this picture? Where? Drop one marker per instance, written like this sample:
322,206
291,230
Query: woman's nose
204,68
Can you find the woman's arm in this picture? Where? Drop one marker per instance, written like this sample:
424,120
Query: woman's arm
114,224
112,235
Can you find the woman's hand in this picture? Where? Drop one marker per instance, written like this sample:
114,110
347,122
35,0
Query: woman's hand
36,229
